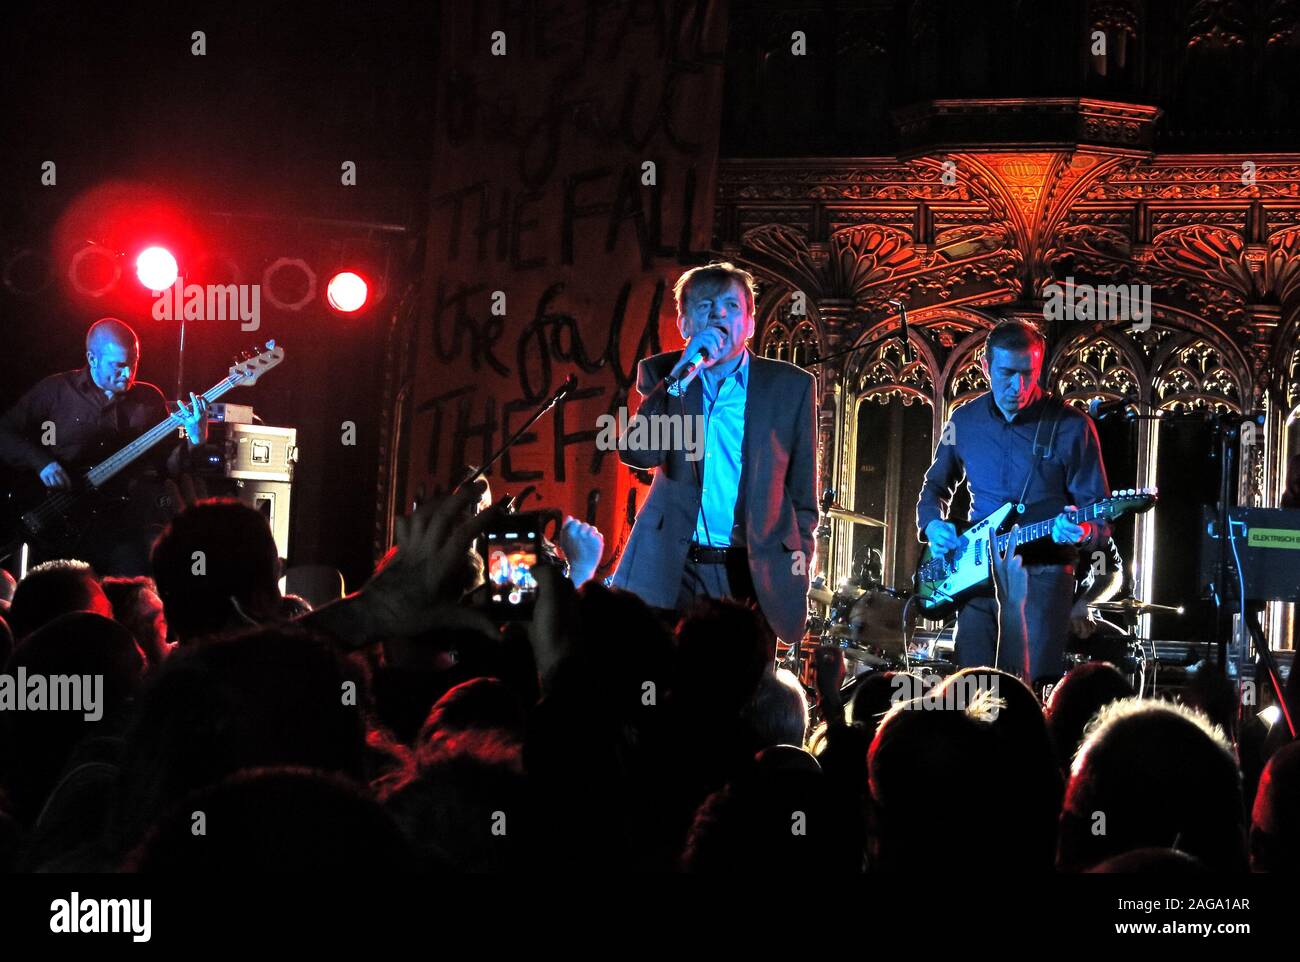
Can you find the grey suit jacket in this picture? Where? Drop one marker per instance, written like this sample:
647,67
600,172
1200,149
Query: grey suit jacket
778,499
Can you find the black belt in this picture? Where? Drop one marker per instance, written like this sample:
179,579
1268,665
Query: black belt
701,555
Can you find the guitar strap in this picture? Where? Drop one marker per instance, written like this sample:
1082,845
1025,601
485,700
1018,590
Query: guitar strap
1040,453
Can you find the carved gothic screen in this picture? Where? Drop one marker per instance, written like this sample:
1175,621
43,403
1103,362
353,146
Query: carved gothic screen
789,334
1163,282
893,438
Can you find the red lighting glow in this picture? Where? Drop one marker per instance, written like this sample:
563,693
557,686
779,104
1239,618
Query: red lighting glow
156,268
347,292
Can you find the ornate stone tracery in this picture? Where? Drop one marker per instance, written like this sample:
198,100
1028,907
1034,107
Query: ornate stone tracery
1195,377
1096,368
966,239
884,374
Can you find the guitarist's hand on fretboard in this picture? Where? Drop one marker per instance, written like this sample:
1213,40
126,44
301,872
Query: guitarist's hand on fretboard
1065,531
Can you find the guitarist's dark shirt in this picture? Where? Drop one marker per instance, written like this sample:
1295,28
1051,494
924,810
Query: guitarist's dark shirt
88,427
995,455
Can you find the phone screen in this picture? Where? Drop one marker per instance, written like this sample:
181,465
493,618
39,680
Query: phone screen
511,556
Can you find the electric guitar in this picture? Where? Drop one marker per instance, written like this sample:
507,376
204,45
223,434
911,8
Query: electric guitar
943,580
62,517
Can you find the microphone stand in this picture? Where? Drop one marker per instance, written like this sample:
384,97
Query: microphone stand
878,339
558,394
1226,428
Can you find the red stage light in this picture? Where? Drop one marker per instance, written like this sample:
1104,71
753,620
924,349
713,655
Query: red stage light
347,292
156,268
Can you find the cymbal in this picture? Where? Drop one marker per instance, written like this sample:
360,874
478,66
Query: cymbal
835,511
1133,606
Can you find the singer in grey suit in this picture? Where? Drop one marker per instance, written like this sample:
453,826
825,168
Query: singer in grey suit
750,535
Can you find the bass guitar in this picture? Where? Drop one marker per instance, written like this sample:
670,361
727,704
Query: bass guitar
61,517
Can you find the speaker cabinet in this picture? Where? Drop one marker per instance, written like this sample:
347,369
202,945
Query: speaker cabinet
271,499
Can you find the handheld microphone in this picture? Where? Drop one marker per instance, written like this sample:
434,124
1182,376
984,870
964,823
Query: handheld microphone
701,355
697,360
908,357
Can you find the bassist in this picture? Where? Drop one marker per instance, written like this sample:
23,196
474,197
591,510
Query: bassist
1015,443
70,421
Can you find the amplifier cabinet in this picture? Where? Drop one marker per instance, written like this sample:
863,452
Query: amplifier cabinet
257,453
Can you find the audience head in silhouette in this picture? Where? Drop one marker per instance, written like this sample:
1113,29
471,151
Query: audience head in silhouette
217,569
52,589
1160,775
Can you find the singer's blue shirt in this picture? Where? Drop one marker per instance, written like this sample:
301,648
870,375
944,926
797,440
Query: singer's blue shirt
724,434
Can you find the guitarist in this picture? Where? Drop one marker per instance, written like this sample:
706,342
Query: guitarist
1018,444
71,421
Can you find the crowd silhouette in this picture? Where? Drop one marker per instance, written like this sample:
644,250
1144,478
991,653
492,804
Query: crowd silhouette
399,728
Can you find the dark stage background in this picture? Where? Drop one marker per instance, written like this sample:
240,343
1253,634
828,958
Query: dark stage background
234,159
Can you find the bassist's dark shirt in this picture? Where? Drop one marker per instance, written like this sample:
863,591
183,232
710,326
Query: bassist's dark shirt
88,427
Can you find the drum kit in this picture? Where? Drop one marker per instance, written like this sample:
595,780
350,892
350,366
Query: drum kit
1118,643
873,626
876,628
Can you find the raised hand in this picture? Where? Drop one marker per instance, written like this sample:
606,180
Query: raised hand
549,631
828,670
424,568
1011,585
416,586
582,545
1009,575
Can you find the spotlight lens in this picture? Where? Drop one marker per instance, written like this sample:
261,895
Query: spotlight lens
156,268
347,292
